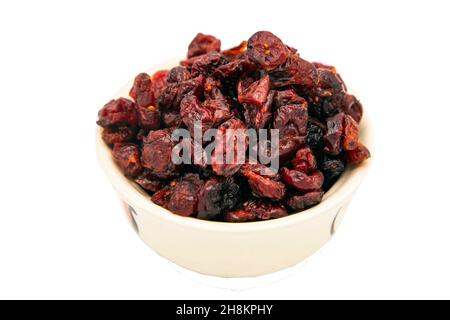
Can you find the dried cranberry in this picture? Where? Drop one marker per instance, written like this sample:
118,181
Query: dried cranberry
112,136
304,160
178,74
120,112
127,157
207,63
256,93
265,187
172,95
351,106
149,118
192,111
236,51
333,136
141,92
231,137
159,83
172,119
267,50
202,44
286,97
332,169
351,134
302,181
157,154
357,155
239,216
264,210
148,181
181,195
302,202
258,117
294,71
217,196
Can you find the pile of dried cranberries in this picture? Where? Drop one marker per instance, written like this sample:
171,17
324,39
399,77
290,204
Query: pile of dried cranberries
260,84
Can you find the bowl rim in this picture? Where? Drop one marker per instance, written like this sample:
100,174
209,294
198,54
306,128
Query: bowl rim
131,193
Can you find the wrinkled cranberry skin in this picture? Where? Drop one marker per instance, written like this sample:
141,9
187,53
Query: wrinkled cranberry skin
357,155
141,92
265,211
294,71
178,74
351,134
333,136
351,106
192,111
149,118
127,157
304,160
256,93
172,119
112,136
202,44
258,117
159,83
286,97
217,196
265,187
172,95
226,141
267,50
157,154
332,169
148,181
181,195
116,113
206,64
302,202
302,181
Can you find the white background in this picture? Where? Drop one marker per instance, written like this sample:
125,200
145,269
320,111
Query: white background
62,231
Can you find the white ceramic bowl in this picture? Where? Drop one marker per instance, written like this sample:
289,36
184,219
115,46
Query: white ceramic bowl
234,249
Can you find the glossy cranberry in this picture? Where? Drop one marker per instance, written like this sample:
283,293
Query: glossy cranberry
267,50
302,181
202,44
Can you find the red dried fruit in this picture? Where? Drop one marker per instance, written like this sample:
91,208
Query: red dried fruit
127,157
357,155
302,181
178,74
351,106
256,94
148,181
294,71
116,113
207,64
192,111
304,160
149,118
265,187
266,85
231,144
258,117
217,196
267,50
181,195
286,97
157,154
159,83
236,51
141,92
351,134
202,44
302,202
333,136
112,136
